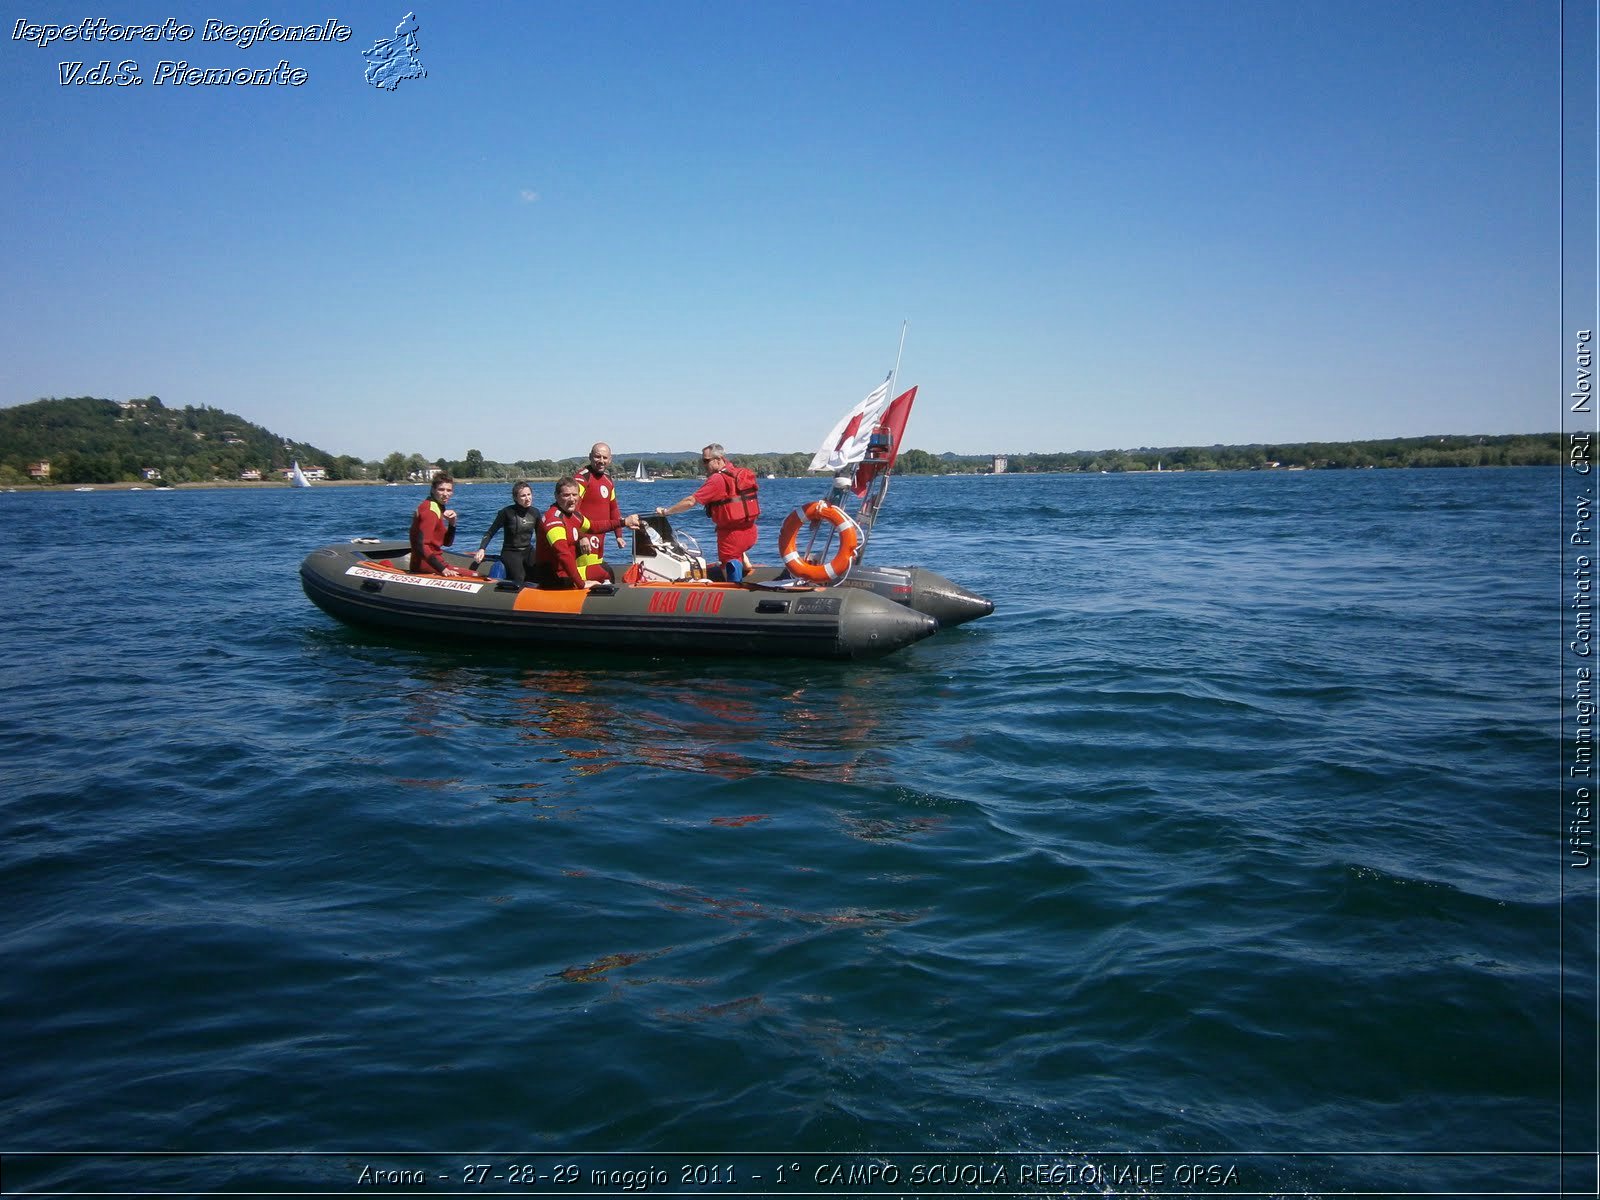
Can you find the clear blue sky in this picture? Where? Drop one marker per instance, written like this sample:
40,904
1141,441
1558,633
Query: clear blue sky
1110,224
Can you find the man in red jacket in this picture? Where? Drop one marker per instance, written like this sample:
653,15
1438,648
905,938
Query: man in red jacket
729,497
561,559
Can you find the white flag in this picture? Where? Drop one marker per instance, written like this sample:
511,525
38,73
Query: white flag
846,443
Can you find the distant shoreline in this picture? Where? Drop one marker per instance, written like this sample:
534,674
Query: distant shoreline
266,485
276,486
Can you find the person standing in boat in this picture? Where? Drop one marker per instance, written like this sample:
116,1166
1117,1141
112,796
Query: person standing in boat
561,560
433,527
729,496
517,522
597,500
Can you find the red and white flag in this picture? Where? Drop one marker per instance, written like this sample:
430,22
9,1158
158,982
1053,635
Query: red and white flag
894,420
846,443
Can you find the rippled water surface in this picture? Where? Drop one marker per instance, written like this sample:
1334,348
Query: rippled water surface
1232,833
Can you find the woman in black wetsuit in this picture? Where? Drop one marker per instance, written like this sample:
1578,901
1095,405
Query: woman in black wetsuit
518,520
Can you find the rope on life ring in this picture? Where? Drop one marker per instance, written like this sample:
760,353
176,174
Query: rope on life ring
811,514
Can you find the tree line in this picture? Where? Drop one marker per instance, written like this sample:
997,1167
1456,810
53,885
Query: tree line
91,440
1449,450
1458,450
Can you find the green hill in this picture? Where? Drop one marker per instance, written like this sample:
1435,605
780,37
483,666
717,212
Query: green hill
90,440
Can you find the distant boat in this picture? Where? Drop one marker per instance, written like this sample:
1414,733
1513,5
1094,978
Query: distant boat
638,474
297,477
83,489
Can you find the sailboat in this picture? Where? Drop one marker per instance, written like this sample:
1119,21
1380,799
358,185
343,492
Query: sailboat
638,474
297,477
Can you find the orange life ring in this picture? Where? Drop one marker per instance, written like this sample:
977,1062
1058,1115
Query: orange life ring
810,514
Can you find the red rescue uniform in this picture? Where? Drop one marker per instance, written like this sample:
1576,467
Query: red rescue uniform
729,496
430,533
597,500
559,553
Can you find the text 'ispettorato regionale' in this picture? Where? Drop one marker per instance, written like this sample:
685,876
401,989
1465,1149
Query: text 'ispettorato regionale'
100,33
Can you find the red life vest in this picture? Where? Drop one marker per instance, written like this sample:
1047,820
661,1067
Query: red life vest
741,505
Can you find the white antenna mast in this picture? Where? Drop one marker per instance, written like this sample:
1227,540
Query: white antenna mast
895,374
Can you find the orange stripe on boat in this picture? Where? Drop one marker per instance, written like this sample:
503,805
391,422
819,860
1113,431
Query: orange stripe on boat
550,600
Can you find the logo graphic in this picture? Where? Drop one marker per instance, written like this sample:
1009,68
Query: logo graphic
392,59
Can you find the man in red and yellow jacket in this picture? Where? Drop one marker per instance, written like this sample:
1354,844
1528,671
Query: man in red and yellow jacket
597,500
433,527
560,558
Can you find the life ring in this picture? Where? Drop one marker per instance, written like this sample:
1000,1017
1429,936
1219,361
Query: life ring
810,514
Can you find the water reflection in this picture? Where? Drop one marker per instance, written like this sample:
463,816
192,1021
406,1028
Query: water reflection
730,729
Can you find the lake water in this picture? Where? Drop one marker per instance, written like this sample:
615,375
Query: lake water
1224,859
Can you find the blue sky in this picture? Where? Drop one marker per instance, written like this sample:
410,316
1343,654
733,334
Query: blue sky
667,223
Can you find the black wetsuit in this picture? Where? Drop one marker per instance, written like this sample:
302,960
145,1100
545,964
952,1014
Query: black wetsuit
516,551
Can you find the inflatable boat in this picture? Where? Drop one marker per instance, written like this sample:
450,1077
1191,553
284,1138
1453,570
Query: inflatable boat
822,602
368,584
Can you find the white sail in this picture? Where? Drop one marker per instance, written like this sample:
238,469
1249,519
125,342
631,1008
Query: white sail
297,477
638,474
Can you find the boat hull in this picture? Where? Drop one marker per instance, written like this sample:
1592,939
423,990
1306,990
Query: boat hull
361,585
663,554
917,588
